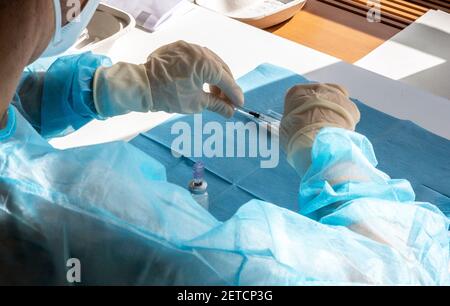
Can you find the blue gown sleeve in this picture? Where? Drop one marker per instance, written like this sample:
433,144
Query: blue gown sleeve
356,226
343,189
59,101
67,101
344,169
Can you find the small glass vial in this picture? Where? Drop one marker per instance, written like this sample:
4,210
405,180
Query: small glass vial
198,186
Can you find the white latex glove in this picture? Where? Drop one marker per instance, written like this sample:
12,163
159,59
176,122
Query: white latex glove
172,80
308,109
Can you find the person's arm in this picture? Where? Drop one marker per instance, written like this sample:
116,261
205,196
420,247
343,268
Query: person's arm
60,100
342,188
171,80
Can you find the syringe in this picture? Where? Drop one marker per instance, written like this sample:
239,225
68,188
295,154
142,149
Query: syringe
272,124
256,116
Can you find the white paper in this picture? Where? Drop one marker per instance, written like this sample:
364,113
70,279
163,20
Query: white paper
149,14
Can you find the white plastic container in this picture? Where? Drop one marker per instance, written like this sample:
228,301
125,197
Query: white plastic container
258,13
107,25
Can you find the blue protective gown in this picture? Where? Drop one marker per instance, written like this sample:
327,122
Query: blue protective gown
110,207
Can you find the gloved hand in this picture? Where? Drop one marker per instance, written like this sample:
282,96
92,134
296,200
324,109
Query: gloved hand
308,109
172,80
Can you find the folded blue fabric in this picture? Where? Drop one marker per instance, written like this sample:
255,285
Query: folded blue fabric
404,151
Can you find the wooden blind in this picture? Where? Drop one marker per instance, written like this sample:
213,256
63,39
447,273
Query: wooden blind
396,13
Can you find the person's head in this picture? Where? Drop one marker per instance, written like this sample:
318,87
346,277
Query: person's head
26,30
29,25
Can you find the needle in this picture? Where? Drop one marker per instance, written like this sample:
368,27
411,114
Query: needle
256,116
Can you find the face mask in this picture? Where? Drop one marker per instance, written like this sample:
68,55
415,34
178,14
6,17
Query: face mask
65,37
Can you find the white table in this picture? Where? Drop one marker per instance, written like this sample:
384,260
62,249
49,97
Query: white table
243,48
419,55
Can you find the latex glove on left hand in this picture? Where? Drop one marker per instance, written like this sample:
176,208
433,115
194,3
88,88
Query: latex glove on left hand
308,109
172,80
